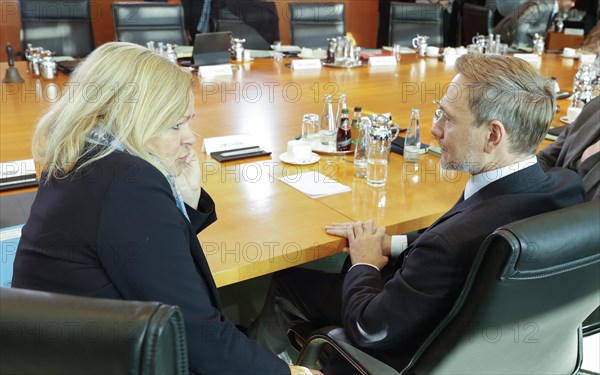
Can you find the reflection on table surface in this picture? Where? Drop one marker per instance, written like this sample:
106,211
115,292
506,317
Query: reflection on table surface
264,224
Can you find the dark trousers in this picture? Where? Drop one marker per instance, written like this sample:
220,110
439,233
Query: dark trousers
298,295
295,296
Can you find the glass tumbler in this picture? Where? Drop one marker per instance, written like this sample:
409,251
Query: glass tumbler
397,52
311,128
377,163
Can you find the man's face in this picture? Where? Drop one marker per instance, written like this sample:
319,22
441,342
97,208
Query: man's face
462,143
565,5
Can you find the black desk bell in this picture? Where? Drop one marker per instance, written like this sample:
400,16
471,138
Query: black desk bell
12,74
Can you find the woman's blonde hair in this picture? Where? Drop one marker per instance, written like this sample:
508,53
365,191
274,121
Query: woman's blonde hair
121,88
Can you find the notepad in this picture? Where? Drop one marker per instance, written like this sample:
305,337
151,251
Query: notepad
314,184
398,146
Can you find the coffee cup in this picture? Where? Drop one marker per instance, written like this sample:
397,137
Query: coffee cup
569,52
449,51
572,113
432,51
461,51
299,151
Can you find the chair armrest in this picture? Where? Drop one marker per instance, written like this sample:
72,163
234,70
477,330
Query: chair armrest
336,338
299,334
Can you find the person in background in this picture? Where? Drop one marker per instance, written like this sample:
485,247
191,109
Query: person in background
530,18
120,203
562,8
502,8
496,112
578,148
591,43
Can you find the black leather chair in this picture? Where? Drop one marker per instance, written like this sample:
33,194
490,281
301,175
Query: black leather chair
139,23
64,27
312,23
476,20
531,285
49,333
408,19
232,20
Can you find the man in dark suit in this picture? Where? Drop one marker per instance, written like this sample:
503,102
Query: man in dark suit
494,115
578,148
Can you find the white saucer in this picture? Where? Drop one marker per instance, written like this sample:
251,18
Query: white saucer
434,56
565,119
575,56
313,159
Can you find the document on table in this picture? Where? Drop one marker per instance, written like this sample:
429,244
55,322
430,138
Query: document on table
314,184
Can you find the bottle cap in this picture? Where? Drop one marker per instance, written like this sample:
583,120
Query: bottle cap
357,109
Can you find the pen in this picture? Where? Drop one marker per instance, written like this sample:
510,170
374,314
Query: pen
241,152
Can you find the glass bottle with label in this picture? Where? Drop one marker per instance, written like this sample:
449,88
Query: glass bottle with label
344,134
356,118
412,142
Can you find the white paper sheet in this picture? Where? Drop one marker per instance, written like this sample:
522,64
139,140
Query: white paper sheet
314,184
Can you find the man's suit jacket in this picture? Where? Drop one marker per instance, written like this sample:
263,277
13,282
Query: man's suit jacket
566,151
519,28
113,230
391,316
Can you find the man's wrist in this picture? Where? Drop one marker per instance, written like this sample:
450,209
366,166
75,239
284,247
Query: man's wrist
386,245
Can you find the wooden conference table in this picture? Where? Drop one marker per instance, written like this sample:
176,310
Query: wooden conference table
265,225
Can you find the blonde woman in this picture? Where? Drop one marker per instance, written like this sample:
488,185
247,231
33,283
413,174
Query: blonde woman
120,203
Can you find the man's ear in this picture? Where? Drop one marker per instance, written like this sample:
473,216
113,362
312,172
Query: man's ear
495,137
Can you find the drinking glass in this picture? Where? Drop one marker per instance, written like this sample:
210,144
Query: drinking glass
397,54
311,128
377,164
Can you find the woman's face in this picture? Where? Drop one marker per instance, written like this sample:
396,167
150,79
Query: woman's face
175,143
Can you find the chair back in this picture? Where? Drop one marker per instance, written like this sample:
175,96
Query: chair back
63,27
141,22
49,333
409,19
532,284
227,20
476,20
312,23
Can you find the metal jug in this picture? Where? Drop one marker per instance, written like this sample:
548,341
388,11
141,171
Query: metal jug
237,49
382,131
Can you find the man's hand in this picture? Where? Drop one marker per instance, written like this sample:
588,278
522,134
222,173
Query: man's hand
299,370
365,244
188,181
341,230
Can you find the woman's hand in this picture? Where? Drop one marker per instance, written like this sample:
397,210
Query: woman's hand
189,180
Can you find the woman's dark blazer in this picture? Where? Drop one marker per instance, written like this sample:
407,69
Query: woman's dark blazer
113,230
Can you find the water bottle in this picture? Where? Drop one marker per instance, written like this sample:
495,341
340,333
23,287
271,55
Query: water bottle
412,142
360,152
